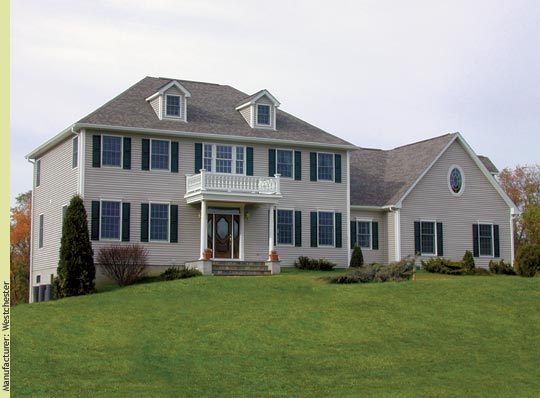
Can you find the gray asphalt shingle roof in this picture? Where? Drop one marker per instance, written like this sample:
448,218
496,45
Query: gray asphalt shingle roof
210,109
488,163
381,178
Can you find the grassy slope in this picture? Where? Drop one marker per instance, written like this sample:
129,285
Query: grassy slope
287,335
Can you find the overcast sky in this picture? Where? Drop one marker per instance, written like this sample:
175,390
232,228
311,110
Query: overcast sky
376,73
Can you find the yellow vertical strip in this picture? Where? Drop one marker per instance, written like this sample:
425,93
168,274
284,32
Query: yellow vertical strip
4,196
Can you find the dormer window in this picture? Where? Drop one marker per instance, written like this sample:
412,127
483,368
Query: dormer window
173,105
263,115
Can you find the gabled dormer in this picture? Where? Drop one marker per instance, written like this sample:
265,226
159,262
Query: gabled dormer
170,102
259,110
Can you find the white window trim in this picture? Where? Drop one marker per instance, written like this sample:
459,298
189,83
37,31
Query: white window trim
168,240
293,228
121,151
37,181
180,106
293,169
41,230
233,164
425,254
119,221
150,152
452,167
78,152
370,221
333,166
318,227
492,255
269,115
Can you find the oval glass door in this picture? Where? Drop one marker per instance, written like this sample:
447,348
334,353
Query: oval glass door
222,236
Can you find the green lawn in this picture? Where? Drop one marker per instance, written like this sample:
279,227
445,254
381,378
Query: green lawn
291,335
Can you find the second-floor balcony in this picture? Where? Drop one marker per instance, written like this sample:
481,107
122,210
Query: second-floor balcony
232,187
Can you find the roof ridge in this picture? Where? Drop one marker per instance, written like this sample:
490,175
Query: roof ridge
422,141
187,81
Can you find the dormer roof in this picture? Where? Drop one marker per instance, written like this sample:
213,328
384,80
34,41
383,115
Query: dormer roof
252,99
163,89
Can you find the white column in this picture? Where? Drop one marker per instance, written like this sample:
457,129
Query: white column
204,224
271,230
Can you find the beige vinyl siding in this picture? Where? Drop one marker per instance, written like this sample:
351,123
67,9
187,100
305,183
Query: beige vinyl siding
380,255
174,91
136,186
265,101
155,105
432,200
247,113
58,185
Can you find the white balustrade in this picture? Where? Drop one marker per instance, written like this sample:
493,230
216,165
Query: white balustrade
206,181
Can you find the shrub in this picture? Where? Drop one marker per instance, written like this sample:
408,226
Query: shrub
468,262
501,268
396,271
444,266
357,257
307,263
173,273
528,260
76,271
481,272
123,264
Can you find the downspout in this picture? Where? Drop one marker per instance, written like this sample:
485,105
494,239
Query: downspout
30,277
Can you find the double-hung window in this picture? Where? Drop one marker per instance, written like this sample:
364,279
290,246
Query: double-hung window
325,166
263,115
284,162
428,237
364,234
159,222
160,155
75,154
110,220
224,158
285,227
326,228
173,105
111,151
38,172
485,239
41,229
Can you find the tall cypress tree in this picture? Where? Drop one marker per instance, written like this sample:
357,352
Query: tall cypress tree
76,270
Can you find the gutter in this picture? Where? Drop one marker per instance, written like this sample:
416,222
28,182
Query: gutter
30,276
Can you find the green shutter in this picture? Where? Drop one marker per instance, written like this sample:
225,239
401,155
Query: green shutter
496,243
417,243
375,235
339,232
198,158
271,162
174,224
314,239
354,237
96,151
476,249
298,228
313,166
440,246
297,165
127,153
144,222
95,220
249,159
337,169
174,157
145,161
126,210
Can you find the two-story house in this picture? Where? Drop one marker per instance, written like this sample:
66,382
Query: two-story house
182,166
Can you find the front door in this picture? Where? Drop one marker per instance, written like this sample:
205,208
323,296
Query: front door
224,235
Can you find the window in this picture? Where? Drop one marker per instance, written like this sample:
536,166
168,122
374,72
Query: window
456,180
326,228
173,105
38,279
427,237
224,158
111,151
110,220
159,222
64,211
364,234
263,115
38,173
485,239
40,233
284,162
325,166
75,156
160,154
285,227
